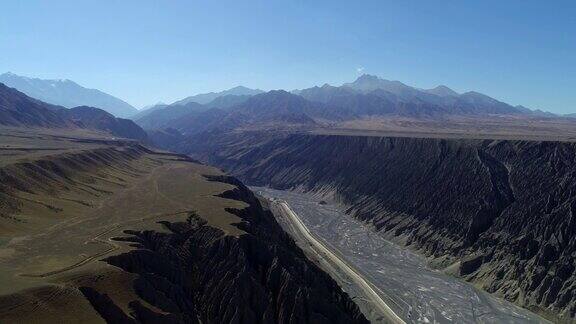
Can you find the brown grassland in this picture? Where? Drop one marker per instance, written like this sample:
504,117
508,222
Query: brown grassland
56,226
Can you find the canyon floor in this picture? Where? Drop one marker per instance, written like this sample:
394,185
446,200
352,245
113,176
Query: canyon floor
414,291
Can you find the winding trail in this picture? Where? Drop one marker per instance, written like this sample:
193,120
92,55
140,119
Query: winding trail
97,239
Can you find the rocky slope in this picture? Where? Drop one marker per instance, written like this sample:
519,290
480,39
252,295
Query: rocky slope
94,118
196,274
498,213
17,109
160,117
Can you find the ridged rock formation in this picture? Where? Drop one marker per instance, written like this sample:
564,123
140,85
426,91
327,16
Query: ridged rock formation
61,172
503,213
196,274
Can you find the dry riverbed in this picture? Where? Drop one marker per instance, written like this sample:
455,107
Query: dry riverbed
417,293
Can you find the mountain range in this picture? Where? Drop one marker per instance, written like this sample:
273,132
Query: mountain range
205,98
161,115
371,95
20,110
367,97
240,107
68,94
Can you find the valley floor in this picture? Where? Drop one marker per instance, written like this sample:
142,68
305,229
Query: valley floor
417,293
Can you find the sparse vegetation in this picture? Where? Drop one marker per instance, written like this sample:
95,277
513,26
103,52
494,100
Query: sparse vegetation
65,220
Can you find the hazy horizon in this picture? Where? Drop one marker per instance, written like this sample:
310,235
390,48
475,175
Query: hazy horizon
146,52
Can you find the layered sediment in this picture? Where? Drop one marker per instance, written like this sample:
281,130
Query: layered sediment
498,213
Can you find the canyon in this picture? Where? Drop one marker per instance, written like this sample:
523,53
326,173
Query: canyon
99,230
496,213
100,221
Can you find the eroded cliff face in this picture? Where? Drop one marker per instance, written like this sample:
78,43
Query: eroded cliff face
95,230
193,273
501,213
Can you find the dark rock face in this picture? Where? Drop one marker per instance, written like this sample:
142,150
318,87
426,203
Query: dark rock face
105,306
505,209
196,274
470,264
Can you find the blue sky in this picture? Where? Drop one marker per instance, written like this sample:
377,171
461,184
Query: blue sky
521,52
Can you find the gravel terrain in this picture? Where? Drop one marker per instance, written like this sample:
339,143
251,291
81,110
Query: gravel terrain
421,295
